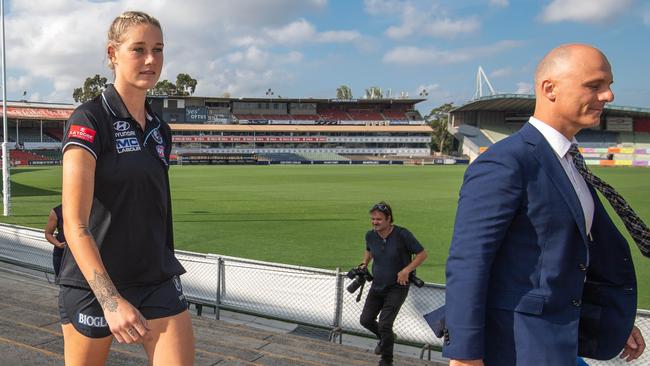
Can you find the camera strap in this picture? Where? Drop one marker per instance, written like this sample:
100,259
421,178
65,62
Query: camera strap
361,291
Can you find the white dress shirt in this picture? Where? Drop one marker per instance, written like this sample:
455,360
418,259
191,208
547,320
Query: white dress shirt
560,144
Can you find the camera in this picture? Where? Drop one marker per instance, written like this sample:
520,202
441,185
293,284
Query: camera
415,280
359,275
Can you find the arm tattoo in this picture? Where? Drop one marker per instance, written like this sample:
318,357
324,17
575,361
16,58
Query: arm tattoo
105,291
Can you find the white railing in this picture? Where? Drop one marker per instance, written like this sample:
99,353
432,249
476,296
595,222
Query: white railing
304,295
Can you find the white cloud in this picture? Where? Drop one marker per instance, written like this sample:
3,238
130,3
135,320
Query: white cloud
418,56
584,11
53,45
421,19
339,37
296,32
500,3
524,88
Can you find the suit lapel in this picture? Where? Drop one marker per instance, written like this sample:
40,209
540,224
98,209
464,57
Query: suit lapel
548,159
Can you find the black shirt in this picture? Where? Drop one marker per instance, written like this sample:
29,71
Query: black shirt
130,218
390,255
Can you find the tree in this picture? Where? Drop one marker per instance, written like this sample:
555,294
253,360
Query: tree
163,87
93,86
438,118
185,84
344,92
374,92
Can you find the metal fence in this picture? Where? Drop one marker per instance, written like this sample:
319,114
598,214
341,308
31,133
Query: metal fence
303,295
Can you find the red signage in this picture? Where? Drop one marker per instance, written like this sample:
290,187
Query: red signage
38,113
181,138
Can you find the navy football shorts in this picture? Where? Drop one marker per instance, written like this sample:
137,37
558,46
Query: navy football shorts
80,307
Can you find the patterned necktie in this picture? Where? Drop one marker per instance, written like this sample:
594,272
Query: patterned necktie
637,229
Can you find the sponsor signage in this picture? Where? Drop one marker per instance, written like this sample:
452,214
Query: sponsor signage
622,124
196,114
38,113
247,139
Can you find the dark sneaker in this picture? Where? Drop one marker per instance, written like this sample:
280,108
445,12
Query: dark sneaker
383,362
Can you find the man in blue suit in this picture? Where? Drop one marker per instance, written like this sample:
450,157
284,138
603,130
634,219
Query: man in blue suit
537,272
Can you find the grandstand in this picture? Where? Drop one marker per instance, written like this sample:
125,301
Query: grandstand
245,130
621,139
35,130
307,129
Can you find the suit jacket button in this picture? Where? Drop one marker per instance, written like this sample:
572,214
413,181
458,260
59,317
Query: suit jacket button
576,303
583,267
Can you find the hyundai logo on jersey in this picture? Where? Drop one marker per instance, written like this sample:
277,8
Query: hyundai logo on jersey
121,125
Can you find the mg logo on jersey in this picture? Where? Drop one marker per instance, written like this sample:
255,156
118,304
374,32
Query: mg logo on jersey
127,144
121,125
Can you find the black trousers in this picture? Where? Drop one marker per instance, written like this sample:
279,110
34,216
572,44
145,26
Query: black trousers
385,303
56,263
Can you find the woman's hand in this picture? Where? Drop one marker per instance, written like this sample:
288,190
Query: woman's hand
125,321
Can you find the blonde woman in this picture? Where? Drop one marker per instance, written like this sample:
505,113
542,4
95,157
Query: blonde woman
119,276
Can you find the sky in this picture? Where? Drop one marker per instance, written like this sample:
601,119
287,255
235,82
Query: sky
308,48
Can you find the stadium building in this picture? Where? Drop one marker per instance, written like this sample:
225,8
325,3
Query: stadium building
35,130
250,130
288,130
621,139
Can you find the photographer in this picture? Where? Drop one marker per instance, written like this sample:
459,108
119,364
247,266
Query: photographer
391,247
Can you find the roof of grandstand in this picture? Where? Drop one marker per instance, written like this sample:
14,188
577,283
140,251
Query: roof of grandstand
298,128
294,100
526,102
24,103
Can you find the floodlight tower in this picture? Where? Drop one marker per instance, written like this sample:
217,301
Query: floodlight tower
6,189
480,78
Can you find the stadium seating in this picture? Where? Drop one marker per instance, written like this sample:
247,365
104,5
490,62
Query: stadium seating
597,138
305,117
475,135
394,115
55,133
335,115
642,139
22,157
279,117
325,156
250,116
366,116
48,154
283,157
33,135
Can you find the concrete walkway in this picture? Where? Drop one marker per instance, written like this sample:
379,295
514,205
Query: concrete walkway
30,334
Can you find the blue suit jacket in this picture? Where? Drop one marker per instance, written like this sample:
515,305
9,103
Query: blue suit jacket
526,285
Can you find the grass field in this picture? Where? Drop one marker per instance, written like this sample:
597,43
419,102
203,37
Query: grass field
313,216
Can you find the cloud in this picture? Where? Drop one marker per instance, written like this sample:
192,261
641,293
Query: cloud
584,11
524,88
421,19
53,45
419,56
296,32
301,31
